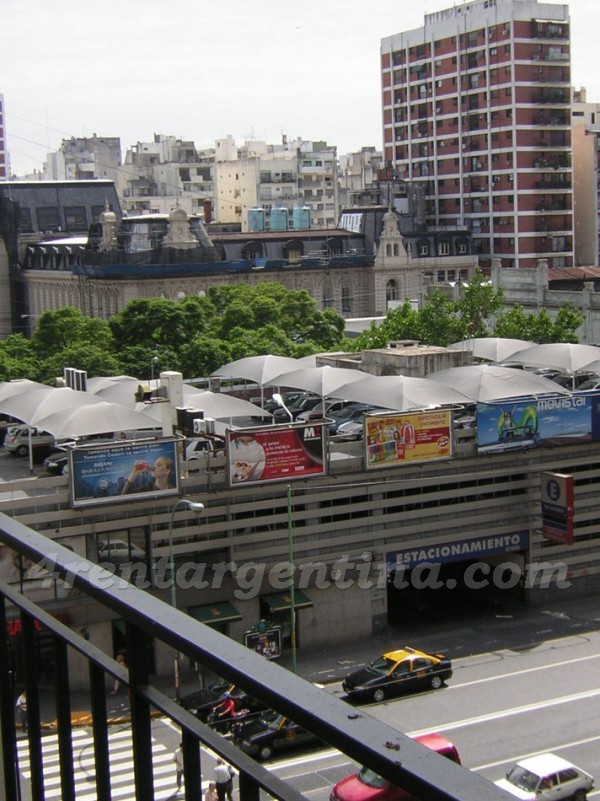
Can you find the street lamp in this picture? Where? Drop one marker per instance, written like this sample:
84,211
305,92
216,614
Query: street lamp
279,401
194,507
292,570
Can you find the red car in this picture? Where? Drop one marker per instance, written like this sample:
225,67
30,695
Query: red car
368,786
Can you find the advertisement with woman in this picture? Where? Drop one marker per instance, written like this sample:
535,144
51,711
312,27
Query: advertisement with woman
128,470
275,454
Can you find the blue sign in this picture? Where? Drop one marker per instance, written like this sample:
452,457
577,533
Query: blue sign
459,551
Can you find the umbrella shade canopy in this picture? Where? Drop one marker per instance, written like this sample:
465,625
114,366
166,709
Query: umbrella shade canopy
564,355
259,369
122,391
320,380
494,349
97,383
221,406
9,389
100,417
400,392
488,382
26,405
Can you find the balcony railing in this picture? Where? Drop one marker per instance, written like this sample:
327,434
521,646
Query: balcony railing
390,753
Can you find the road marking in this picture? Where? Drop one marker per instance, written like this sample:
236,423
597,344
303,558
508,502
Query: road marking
524,671
506,713
554,748
121,766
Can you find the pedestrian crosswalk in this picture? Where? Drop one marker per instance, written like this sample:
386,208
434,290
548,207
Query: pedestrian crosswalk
121,766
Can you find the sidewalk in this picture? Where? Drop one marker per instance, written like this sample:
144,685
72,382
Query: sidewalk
481,629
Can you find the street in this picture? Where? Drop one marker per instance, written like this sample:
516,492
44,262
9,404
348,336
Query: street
498,707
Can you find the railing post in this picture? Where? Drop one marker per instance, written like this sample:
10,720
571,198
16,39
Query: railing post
100,725
33,709
249,789
10,764
192,766
138,643
63,718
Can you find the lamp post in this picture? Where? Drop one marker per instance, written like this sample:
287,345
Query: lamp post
194,507
292,570
279,401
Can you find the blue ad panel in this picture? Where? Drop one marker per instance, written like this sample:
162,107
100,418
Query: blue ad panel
123,471
462,550
530,422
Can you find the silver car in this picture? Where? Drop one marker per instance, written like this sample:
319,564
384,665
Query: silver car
546,777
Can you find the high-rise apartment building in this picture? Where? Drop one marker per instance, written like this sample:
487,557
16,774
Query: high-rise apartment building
3,152
477,109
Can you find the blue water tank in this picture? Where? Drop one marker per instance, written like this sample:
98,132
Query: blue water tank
301,218
256,219
279,219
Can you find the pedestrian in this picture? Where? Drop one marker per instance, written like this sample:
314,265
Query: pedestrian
117,683
211,792
224,780
22,710
178,760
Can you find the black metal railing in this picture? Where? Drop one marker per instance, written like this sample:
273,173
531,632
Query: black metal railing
354,732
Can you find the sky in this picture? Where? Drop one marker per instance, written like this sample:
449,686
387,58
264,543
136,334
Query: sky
202,70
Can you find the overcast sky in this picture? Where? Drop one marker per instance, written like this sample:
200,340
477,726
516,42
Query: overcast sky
201,70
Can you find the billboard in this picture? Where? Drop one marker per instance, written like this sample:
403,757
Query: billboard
123,471
530,422
275,453
266,642
407,437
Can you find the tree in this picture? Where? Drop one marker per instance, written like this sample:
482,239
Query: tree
57,330
18,358
517,324
479,302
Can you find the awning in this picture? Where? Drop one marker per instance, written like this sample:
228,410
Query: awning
282,601
222,612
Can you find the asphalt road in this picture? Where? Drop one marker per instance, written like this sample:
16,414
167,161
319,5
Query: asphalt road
499,706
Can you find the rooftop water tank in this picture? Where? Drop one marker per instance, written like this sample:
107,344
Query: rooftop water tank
256,219
301,218
279,219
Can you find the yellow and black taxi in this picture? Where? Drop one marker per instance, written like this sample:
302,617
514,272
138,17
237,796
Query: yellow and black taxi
262,737
397,672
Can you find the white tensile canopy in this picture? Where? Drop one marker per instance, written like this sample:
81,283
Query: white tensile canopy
494,349
489,382
401,392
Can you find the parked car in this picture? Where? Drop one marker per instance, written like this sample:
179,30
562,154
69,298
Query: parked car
397,672
302,405
352,414
331,408
591,383
573,381
366,785
289,398
56,463
202,702
17,440
269,733
119,551
546,776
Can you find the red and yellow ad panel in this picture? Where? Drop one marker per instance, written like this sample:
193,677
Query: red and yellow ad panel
407,437
273,453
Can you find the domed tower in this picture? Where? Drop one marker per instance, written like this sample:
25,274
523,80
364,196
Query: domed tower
179,235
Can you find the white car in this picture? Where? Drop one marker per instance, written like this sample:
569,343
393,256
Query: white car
546,777
331,407
17,440
118,551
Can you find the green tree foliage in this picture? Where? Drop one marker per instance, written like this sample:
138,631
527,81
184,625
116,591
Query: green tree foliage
479,302
18,358
57,330
539,328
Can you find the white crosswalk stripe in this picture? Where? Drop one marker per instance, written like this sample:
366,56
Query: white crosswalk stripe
121,766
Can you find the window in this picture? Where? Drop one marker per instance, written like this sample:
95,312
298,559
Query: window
47,218
25,223
391,290
75,218
424,249
444,249
346,300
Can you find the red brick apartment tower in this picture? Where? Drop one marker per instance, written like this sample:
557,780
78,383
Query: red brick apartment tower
477,107
3,155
